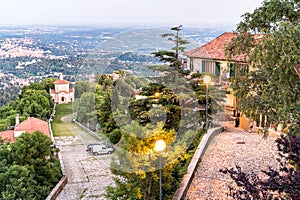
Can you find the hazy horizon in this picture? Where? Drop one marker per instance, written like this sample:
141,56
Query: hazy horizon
124,13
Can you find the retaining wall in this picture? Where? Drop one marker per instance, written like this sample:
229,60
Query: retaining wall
199,153
64,180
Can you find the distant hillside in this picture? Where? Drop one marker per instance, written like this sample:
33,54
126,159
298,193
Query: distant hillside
82,50
131,50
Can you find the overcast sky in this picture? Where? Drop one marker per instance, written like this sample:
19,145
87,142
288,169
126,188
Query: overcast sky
124,12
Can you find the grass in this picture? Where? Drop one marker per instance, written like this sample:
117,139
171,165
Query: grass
63,127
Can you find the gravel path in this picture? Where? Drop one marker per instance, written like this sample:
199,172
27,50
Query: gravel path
88,175
228,149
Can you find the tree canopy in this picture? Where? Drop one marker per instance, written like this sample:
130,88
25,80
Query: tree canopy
172,57
28,167
272,89
33,101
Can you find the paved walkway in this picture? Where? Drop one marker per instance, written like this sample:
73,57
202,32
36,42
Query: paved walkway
88,175
228,149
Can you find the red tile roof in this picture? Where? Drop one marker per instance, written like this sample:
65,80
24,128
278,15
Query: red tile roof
215,49
30,125
8,136
61,82
33,124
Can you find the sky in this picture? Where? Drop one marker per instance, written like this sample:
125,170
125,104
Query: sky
124,12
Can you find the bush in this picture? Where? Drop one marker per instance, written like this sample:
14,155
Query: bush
196,75
115,136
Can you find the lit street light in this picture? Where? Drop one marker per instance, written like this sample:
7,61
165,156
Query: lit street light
207,81
160,146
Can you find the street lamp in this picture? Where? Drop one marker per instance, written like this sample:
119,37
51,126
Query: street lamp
160,146
156,95
207,81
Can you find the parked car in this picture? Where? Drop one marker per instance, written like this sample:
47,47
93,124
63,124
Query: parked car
88,147
99,148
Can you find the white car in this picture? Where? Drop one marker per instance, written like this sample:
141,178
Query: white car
99,148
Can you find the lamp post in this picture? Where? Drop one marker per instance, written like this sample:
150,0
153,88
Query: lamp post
160,146
207,81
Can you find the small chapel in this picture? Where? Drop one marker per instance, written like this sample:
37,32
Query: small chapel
62,93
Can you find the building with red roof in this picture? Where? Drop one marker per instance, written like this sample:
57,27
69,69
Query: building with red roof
62,93
30,125
211,58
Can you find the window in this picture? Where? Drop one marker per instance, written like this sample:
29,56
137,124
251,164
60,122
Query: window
218,69
232,70
208,67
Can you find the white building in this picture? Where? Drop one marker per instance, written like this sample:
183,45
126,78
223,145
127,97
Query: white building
62,92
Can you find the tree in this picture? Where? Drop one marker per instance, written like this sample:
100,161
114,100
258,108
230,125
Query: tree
172,57
86,113
146,112
272,89
275,56
137,165
48,83
28,167
35,103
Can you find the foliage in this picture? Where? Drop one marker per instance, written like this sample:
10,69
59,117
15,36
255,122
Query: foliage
275,58
172,57
34,101
115,136
81,87
139,178
143,111
49,83
160,113
28,168
271,90
86,113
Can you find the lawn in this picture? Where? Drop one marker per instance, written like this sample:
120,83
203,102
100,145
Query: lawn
62,124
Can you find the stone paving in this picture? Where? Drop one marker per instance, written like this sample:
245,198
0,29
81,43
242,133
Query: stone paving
88,175
232,147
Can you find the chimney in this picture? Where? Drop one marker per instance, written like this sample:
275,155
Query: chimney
17,120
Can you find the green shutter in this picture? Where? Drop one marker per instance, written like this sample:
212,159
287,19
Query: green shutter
203,66
232,70
247,69
218,69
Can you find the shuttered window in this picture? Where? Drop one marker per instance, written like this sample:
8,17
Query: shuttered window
218,69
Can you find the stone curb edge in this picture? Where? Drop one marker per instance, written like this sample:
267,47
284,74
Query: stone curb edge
199,153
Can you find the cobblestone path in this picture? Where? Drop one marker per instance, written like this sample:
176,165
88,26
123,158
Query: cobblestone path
232,147
88,175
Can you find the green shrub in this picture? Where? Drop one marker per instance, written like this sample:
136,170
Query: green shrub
115,136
